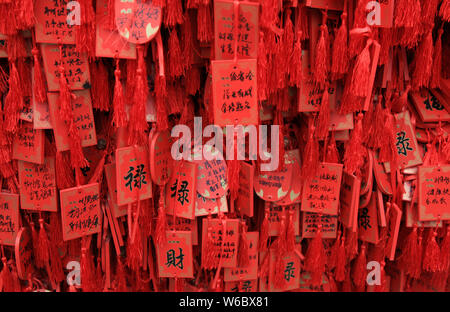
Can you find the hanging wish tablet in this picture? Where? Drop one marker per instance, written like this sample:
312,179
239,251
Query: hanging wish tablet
137,21
273,185
212,174
296,184
161,161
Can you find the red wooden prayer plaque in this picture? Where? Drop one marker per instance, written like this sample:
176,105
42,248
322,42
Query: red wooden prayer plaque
225,236
242,286
434,193
247,33
137,21
83,119
161,161
110,173
235,92
212,178
175,256
181,191
244,201
80,211
9,218
321,195
295,191
183,224
75,66
38,185
349,199
429,107
337,5
41,116
28,144
133,176
23,253
368,222
251,271
51,22
205,206
311,221
109,43
291,268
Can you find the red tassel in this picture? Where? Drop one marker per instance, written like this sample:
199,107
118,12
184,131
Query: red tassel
43,247
64,176
332,154
400,103
431,259
444,11
161,223
243,260
290,232
87,272
321,59
193,80
138,122
295,69
121,280
339,273
174,13
160,3
56,268
410,258
436,71
429,11
135,252
264,233
160,94
311,155
40,93
204,24
119,117
316,258
324,115
423,62
361,73
85,34
405,13
339,64
26,14
359,268
6,277
388,150
14,100
209,258
35,240
65,96
262,67
445,252
175,62
100,87
351,247
354,151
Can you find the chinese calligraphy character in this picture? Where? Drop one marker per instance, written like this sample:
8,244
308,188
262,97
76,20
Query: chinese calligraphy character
289,271
172,259
138,177
364,219
402,143
183,191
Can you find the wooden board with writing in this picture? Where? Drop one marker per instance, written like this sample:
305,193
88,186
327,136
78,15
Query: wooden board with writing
182,190
368,222
242,286
292,161
224,33
225,237
434,193
244,201
429,107
83,118
28,144
109,43
80,211
132,174
183,224
9,218
175,256
51,22
251,271
137,21
38,185
75,66
349,200
311,221
234,86
321,195
111,179
205,206
291,267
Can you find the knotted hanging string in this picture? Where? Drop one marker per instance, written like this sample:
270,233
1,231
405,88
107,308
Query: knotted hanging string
423,62
295,69
410,258
280,251
431,258
311,154
243,258
39,91
264,233
119,117
436,70
160,91
321,59
340,58
316,258
324,114
359,272
354,151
